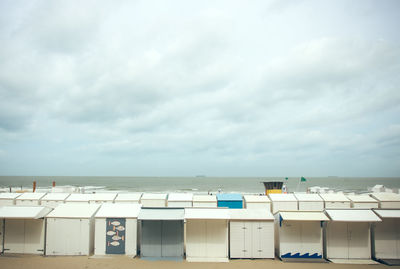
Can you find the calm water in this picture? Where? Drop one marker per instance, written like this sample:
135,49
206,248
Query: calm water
199,184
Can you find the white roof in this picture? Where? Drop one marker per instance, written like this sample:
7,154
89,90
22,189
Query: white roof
128,197
79,197
154,196
161,214
251,214
204,198
23,212
180,197
31,196
256,199
55,196
386,196
303,215
388,213
308,197
361,198
103,197
281,197
334,197
207,213
352,215
118,211
75,211
9,195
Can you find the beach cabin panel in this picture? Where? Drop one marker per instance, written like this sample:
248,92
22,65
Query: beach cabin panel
7,199
387,239
24,236
348,240
206,240
115,235
209,201
300,239
230,200
1,234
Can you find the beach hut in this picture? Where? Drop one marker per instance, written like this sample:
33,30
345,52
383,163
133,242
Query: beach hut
387,236
101,198
29,198
181,200
133,198
299,235
309,202
116,229
23,229
335,200
53,199
161,234
205,201
283,202
348,237
8,198
363,201
230,200
257,202
387,200
70,229
78,198
251,233
207,234
153,199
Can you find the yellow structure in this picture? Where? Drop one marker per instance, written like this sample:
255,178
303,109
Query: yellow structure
273,187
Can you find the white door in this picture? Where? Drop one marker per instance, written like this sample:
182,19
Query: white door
311,239
237,245
290,238
1,235
196,235
263,240
337,245
34,236
14,236
386,239
397,226
65,237
359,240
217,239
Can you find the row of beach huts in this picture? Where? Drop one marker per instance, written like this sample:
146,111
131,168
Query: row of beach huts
335,227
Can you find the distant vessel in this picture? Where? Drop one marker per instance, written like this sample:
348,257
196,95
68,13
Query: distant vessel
201,176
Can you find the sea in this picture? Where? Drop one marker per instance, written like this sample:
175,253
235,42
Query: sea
198,184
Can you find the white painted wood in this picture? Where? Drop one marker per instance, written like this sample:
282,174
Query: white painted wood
311,205
263,239
337,245
100,236
237,239
34,236
1,234
131,237
196,244
359,240
14,236
290,237
183,204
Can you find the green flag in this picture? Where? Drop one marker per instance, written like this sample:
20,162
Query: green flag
286,178
303,179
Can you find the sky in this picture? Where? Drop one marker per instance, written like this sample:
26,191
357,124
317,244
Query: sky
185,88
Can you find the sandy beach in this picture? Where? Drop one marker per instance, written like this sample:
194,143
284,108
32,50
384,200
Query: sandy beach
77,262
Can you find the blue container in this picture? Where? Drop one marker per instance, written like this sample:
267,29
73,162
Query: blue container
230,200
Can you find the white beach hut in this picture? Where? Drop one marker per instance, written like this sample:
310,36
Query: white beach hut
310,202
207,234
205,201
70,229
335,200
8,198
363,201
348,237
116,229
53,199
251,233
283,202
387,200
101,198
78,198
257,202
299,235
180,200
24,229
387,236
162,233
153,199
129,197
29,198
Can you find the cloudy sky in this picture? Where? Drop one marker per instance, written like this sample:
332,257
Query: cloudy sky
181,88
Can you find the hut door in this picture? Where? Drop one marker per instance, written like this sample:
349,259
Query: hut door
1,234
115,236
387,239
172,238
237,241
263,238
337,241
14,236
150,245
359,246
